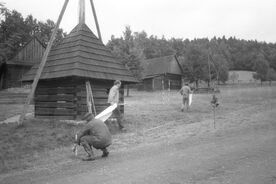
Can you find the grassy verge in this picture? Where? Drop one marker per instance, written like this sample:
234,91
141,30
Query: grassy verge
21,146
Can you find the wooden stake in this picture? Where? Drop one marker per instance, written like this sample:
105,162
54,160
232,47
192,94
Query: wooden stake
96,20
90,98
214,117
42,64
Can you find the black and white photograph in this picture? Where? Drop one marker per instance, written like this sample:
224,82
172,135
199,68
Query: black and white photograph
137,92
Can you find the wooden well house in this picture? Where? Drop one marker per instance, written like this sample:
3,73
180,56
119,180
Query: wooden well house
80,57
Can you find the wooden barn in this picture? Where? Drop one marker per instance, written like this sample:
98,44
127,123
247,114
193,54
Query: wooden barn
80,57
12,70
161,73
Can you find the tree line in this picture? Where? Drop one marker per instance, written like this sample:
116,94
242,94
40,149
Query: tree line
16,31
201,59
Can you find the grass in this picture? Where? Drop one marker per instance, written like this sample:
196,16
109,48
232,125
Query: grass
20,146
40,142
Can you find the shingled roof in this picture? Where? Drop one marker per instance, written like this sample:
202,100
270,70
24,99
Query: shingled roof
160,65
82,54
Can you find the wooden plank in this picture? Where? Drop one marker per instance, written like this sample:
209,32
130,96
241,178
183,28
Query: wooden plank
98,109
96,95
85,66
96,88
52,91
89,55
68,105
77,48
97,101
84,42
54,98
86,35
55,111
71,57
55,117
53,83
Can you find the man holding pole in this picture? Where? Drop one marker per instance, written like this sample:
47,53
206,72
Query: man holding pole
113,97
185,92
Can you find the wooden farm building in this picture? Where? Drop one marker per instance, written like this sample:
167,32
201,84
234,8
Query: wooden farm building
161,73
12,70
80,57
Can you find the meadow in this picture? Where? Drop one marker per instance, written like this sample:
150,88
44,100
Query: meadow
149,117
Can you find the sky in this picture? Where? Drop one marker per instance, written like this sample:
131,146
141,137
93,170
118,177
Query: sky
243,19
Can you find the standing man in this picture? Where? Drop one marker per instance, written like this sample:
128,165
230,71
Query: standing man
113,97
185,91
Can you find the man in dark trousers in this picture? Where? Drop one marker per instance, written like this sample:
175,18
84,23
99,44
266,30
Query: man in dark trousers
113,97
95,134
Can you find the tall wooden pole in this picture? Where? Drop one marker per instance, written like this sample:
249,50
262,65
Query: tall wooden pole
81,11
96,20
42,64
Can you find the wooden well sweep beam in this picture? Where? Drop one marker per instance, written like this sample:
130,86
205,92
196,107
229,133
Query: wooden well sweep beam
42,64
96,20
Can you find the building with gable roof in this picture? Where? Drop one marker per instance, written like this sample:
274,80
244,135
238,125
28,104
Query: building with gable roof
80,57
12,70
161,73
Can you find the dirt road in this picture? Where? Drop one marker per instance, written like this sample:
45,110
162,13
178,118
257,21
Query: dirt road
242,156
242,149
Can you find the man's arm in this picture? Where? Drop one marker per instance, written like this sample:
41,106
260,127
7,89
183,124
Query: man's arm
80,135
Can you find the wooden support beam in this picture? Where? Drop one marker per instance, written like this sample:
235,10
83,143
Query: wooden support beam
81,11
90,98
42,64
96,20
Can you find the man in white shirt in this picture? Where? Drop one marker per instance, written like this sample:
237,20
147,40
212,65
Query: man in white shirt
185,91
113,97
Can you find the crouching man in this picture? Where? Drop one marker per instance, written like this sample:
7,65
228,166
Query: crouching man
95,134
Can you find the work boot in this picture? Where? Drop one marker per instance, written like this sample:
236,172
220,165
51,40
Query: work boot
105,152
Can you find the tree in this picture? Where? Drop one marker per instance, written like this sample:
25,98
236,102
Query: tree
15,31
218,61
127,51
261,67
271,75
195,64
11,32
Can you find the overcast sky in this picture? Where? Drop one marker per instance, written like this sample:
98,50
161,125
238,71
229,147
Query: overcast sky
244,19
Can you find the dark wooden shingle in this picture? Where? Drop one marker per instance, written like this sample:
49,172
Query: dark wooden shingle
82,54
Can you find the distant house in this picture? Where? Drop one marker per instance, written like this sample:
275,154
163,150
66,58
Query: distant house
240,77
161,73
12,70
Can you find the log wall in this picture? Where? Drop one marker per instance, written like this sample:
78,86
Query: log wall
66,99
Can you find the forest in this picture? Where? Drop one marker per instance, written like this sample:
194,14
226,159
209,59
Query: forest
201,58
